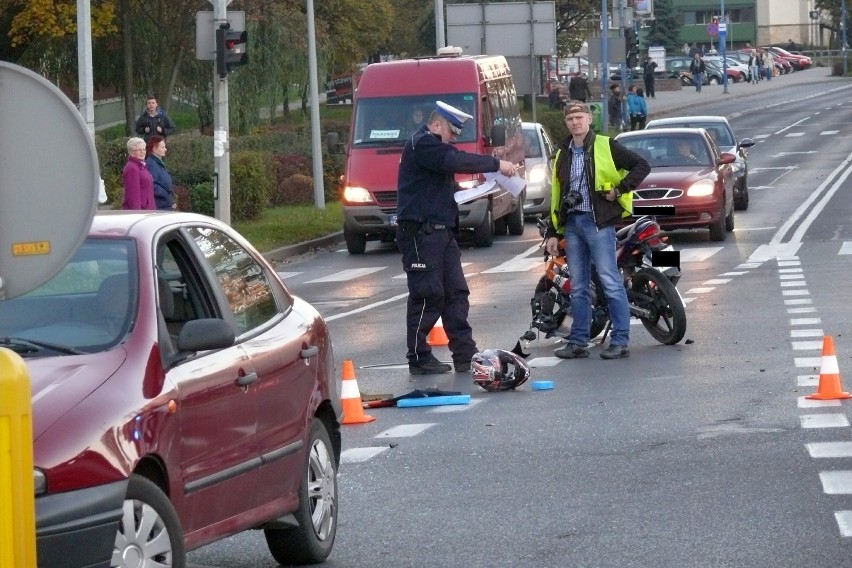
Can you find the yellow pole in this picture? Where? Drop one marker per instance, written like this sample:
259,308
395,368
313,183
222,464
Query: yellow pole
17,501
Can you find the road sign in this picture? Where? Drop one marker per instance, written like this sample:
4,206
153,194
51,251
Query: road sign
712,28
723,28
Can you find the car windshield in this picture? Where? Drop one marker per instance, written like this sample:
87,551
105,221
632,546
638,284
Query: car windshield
667,150
389,121
532,149
87,307
720,134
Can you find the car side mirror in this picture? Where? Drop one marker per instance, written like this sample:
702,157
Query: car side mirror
497,136
726,158
745,143
333,143
205,334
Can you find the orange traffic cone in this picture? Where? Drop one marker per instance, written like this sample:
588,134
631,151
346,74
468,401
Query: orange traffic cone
829,374
437,336
350,396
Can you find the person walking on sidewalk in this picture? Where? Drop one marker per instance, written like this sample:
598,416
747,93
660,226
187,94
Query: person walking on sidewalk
753,67
589,194
697,69
637,108
427,218
616,119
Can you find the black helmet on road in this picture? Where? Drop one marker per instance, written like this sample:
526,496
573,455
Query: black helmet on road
497,370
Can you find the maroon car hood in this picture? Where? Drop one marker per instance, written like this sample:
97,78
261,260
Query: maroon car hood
60,383
678,178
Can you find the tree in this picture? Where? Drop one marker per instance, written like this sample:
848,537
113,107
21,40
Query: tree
664,29
833,24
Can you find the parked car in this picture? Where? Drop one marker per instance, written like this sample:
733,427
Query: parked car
723,135
797,60
680,64
539,152
181,394
689,177
737,72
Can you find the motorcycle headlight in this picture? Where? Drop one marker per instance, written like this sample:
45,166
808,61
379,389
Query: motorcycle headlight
701,188
354,194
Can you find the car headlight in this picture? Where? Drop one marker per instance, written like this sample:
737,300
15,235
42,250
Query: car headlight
701,188
356,195
538,174
40,482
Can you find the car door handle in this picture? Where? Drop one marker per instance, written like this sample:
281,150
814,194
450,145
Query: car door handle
246,380
309,352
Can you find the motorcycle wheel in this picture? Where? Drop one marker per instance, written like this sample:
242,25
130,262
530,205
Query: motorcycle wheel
551,314
654,292
599,318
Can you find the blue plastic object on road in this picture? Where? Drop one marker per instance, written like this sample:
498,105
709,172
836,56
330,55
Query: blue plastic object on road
542,385
434,401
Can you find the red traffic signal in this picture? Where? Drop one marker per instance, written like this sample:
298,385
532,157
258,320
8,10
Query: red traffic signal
230,49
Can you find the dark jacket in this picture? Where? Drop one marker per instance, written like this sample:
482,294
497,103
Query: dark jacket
578,88
163,193
698,67
160,119
605,212
614,108
426,182
648,69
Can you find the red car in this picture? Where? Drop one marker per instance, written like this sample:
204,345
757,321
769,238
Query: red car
180,395
798,60
690,179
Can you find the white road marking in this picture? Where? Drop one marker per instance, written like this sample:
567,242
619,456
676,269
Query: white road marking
739,273
286,275
367,307
805,321
716,281
814,362
789,263
824,420
798,301
789,270
761,136
791,276
828,132
845,248
795,293
806,333
698,254
807,380
844,522
748,265
794,283
830,449
404,431
807,345
358,455
794,135
809,403
700,290
519,263
801,310
346,275
836,482
543,362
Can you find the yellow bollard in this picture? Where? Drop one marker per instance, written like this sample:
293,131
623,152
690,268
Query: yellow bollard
17,501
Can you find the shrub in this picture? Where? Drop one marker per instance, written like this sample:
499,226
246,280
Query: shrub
554,123
251,184
183,197
296,189
286,167
201,199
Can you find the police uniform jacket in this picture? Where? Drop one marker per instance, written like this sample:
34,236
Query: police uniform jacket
426,184
605,212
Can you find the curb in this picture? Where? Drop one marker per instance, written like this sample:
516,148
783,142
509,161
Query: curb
283,253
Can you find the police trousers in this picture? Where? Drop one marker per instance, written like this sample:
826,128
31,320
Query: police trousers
436,289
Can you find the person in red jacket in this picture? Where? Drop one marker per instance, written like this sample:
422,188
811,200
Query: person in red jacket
137,180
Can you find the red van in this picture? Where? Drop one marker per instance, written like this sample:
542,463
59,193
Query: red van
392,100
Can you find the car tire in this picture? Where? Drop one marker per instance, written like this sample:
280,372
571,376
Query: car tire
146,506
713,80
355,242
483,235
741,204
500,227
311,541
717,229
515,219
729,220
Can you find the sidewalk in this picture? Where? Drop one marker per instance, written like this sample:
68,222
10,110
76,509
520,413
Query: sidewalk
671,102
664,104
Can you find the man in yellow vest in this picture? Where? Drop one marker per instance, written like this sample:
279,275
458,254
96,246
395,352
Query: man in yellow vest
593,177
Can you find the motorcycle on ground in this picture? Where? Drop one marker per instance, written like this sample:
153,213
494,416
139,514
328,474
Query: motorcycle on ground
651,292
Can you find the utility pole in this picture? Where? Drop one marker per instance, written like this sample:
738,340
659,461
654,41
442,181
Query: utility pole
316,148
221,129
533,66
604,67
843,33
86,89
440,40
723,30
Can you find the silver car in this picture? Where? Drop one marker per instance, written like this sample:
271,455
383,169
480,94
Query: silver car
539,152
720,131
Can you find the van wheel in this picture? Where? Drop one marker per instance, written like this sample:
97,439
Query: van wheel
500,227
483,235
355,243
515,219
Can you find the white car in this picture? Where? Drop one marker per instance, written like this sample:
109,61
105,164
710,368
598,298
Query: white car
539,153
731,63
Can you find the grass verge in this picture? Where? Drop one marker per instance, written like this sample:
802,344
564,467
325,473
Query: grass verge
282,226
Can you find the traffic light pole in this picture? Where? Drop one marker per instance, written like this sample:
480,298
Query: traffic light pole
221,151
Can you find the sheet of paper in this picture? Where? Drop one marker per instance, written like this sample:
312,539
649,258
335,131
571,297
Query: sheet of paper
466,195
514,185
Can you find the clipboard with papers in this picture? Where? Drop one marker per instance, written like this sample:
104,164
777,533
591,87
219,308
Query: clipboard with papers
493,183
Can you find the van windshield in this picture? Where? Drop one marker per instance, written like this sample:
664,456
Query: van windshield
389,121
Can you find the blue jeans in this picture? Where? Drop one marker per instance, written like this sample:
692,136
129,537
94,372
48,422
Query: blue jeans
587,244
699,79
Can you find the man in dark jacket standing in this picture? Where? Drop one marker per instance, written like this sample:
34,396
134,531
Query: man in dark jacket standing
427,216
616,117
648,69
588,197
153,120
578,87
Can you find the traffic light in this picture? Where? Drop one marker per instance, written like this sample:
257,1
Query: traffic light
230,49
631,46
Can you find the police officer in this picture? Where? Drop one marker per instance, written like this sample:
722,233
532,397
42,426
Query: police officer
427,215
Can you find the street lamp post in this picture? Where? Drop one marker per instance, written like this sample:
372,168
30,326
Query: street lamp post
723,31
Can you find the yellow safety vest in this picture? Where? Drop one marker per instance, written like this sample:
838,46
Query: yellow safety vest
607,176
